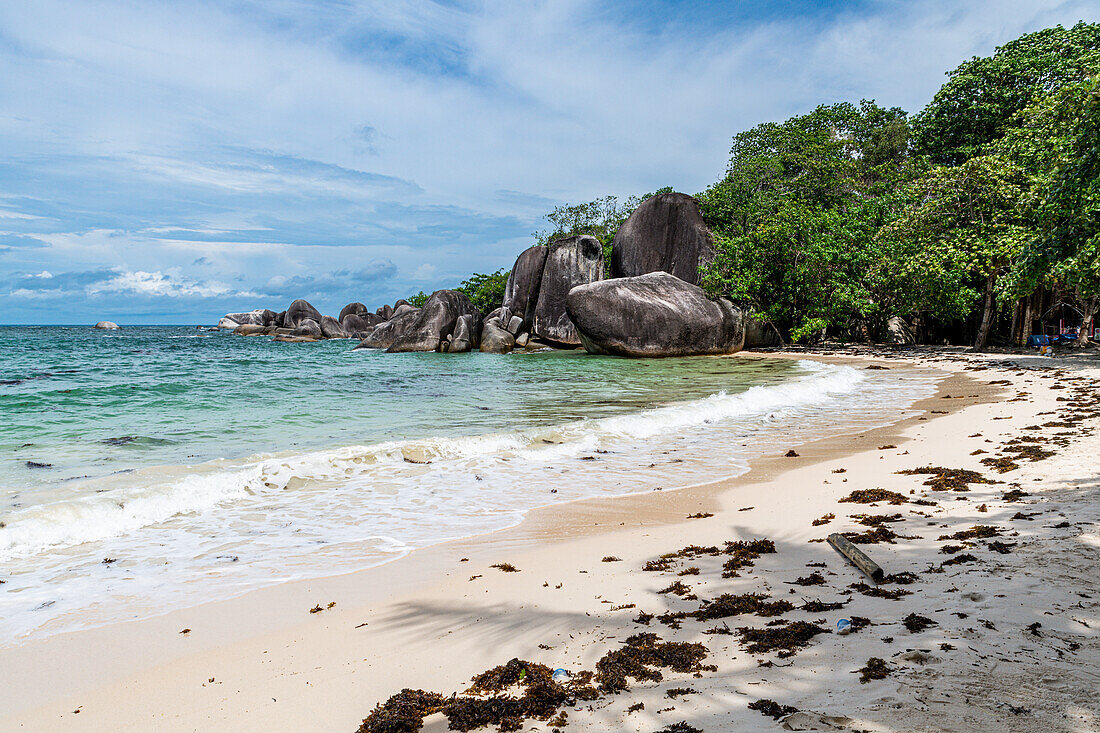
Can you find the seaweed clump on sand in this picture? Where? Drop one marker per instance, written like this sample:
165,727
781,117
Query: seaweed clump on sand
541,699
948,479
505,567
814,578
875,592
403,712
772,709
727,605
872,496
681,727
875,536
876,520
744,554
876,669
823,519
678,588
977,532
819,606
642,656
786,639
916,623
959,559
1001,465
1014,495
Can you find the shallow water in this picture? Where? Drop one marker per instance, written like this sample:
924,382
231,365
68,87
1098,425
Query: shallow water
207,464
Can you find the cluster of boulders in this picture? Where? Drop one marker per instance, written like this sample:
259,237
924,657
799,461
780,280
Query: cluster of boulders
556,295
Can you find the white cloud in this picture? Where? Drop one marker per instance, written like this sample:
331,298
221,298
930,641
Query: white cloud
159,284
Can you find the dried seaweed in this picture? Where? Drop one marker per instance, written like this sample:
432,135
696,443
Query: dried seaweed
959,559
403,712
1014,495
1001,465
611,558
1002,547
948,479
744,554
977,532
727,605
875,669
819,606
681,727
876,520
505,567
814,578
679,588
642,656
917,623
871,496
785,639
875,592
772,709
700,515
823,520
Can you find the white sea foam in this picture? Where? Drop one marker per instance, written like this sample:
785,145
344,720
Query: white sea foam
296,514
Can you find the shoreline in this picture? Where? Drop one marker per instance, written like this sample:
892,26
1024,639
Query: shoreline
231,638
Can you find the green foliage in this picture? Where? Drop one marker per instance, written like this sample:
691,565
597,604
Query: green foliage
796,216
977,104
486,292
961,228
418,300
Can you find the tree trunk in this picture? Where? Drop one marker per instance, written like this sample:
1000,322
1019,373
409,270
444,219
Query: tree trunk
1087,321
987,315
1027,325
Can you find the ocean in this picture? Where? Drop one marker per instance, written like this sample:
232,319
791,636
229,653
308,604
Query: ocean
153,468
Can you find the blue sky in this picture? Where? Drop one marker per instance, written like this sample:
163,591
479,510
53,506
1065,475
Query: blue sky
167,162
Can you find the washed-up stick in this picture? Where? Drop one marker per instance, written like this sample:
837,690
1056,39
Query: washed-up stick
856,556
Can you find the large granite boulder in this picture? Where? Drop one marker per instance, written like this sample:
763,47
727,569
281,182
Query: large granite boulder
357,309
494,339
299,311
436,322
253,329
308,328
900,332
258,317
361,326
402,309
654,315
386,312
332,328
569,262
467,334
522,290
107,326
383,336
666,233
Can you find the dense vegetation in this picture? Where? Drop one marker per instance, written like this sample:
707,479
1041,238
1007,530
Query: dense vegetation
965,222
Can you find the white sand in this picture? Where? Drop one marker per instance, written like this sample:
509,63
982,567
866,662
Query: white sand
276,667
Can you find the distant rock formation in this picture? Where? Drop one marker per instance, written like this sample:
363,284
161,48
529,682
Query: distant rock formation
666,233
654,315
107,326
435,322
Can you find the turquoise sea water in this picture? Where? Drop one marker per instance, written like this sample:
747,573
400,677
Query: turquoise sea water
195,459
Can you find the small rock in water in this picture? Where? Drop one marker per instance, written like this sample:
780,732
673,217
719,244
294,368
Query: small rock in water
36,464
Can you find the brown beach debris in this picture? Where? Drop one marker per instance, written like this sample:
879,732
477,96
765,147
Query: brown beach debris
700,515
505,567
823,519
977,532
679,588
790,454
689,571
772,709
887,447
916,623
681,727
728,604
875,669
643,618
814,578
612,558
1003,548
642,656
1014,495
744,554
959,559
875,536
872,496
1001,465
876,592
818,606
676,692
785,639
948,479
875,520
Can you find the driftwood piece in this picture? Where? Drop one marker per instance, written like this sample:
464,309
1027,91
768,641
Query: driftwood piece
857,556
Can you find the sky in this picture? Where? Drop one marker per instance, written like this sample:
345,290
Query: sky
169,161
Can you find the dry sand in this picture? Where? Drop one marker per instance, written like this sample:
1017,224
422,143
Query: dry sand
438,617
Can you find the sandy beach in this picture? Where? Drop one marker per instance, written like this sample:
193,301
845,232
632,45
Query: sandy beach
995,572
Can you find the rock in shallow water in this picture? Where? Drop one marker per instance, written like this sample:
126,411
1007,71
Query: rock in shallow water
654,315
436,321
383,336
106,325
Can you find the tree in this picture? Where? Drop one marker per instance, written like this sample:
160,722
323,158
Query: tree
1058,143
797,212
486,292
982,96
418,300
961,230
